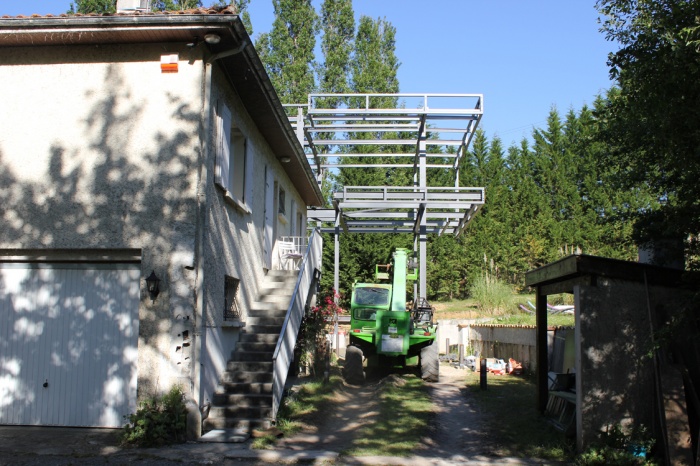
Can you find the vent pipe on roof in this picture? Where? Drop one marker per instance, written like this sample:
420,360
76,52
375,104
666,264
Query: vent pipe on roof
129,6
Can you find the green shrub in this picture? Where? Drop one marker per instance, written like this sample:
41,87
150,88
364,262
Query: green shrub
160,420
617,448
312,345
492,295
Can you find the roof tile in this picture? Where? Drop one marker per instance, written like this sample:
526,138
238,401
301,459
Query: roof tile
228,10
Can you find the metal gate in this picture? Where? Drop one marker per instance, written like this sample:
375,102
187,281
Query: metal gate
68,343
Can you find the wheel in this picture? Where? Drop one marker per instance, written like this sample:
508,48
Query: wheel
429,363
353,371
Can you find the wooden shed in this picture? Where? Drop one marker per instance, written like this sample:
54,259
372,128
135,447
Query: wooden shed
620,376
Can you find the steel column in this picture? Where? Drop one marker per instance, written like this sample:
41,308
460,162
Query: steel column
423,237
336,272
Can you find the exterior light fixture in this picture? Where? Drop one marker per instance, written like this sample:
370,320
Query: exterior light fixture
285,159
212,39
152,285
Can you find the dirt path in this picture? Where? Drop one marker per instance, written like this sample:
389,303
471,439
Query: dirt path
457,428
454,434
336,429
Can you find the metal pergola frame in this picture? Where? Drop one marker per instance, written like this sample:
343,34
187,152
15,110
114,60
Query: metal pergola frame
438,127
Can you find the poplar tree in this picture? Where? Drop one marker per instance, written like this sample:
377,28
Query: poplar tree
93,6
110,6
174,5
337,43
288,49
374,68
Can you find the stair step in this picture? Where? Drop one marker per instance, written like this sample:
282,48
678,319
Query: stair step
251,356
265,320
247,377
278,314
246,424
256,346
249,366
248,412
225,436
275,329
274,305
241,400
280,274
256,388
266,338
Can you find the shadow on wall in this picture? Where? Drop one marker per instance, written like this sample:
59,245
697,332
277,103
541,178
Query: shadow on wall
617,372
107,198
68,346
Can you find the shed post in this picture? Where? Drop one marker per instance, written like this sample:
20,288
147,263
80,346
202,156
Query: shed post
542,356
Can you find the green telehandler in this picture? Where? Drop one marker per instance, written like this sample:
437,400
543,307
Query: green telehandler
383,332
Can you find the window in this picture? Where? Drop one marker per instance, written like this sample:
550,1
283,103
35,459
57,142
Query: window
301,228
231,310
233,165
282,204
371,296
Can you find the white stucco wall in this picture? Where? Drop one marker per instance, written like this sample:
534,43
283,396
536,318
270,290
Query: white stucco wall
234,237
100,149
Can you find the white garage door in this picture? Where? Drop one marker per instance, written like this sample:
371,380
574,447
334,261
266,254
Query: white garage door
68,343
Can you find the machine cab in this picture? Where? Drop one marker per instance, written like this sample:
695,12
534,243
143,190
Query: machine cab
368,299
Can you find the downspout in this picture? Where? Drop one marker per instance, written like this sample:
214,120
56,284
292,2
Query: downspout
195,430
195,412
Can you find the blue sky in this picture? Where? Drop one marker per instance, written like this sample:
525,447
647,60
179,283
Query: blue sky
523,56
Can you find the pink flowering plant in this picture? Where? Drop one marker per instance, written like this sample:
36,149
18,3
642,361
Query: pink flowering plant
316,324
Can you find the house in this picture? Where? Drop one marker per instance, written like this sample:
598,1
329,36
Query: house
134,147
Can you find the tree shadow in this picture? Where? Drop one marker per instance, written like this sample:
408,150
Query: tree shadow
116,188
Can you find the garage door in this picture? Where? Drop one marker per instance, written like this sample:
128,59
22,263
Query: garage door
68,343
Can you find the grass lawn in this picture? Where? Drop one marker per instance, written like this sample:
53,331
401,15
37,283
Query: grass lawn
513,421
405,410
468,309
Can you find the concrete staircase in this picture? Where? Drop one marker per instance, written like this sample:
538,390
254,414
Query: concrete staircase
243,399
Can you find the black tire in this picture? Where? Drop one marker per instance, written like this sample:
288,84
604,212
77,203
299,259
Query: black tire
353,372
429,363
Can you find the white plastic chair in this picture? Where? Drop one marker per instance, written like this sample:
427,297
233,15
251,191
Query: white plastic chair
288,255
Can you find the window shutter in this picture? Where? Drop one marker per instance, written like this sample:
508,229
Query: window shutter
223,158
246,180
293,218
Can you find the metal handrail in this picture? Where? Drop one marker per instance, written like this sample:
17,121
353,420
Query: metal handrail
284,351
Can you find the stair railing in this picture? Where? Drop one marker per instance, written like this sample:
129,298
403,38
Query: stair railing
284,351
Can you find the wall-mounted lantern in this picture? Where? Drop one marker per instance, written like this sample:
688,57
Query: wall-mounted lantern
153,285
